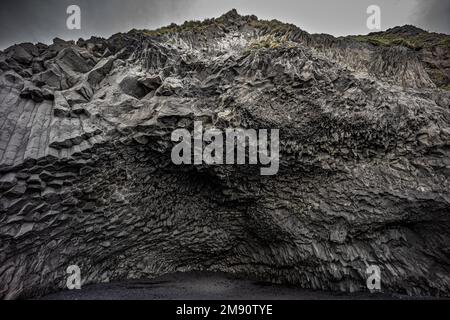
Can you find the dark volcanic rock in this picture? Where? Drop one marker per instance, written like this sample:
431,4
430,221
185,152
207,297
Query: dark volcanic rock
86,177
22,53
131,86
431,49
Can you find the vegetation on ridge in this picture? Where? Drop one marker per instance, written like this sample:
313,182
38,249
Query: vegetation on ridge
415,42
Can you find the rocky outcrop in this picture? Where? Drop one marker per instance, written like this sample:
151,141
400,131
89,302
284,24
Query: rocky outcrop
431,49
86,176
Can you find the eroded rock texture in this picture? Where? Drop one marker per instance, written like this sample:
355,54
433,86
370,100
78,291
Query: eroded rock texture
86,176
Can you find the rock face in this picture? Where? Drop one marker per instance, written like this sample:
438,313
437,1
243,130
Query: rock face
86,176
432,49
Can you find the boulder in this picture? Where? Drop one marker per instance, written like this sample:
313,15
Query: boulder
12,80
151,82
72,58
30,91
131,86
23,53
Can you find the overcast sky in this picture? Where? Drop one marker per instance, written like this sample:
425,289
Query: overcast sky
43,20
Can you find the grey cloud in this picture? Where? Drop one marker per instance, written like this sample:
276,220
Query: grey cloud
42,20
433,15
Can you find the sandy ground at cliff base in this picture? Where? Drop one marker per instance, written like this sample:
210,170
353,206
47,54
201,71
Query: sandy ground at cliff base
205,286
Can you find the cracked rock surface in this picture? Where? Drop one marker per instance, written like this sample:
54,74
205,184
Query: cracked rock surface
86,176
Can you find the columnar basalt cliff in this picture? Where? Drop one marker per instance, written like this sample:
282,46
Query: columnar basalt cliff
86,176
